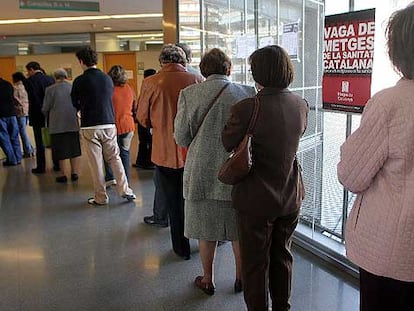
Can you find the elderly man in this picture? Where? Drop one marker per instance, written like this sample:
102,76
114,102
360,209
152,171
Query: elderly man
36,86
157,107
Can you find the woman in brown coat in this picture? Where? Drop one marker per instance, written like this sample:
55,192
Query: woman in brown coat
268,199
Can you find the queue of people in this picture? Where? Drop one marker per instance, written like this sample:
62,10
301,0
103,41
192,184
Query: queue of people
194,123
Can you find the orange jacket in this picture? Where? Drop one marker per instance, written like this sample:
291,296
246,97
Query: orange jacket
123,100
157,107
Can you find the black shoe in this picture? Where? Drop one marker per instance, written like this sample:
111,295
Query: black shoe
38,170
7,163
143,167
62,179
238,286
149,220
185,257
74,177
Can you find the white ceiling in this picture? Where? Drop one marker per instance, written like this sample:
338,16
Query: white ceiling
9,9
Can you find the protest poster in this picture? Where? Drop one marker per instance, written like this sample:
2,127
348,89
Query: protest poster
348,58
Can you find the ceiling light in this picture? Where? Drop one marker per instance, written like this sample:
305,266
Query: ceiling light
137,15
107,28
73,18
143,35
76,18
18,21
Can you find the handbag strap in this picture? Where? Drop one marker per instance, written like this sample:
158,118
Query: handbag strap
255,115
210,106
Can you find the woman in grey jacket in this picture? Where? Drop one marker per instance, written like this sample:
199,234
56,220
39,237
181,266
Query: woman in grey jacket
208,213
63,125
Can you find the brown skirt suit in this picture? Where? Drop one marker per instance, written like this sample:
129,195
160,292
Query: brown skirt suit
268,199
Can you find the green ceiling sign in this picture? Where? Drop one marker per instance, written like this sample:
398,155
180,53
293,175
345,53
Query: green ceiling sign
59,5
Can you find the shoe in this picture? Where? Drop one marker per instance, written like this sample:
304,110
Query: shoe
38,170
74,177
149,220
144,167
110,183
28,155
93,202
62,179
207,288
7,163
185,257
129,197
238,286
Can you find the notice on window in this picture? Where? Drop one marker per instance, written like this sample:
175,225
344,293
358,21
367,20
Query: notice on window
348,57
246,45
290,39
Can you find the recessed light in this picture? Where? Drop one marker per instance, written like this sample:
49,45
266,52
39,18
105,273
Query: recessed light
107,28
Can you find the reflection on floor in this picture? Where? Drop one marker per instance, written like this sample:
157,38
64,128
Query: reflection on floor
59,253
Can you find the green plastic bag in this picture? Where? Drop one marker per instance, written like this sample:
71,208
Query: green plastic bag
46,137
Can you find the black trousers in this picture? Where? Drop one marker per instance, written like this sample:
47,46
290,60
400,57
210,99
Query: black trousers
40,148
159,210
169,185
379,293
144,147
266,260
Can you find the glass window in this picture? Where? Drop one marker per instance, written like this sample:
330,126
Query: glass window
46,44
128,41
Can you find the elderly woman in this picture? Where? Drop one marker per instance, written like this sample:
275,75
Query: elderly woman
63,125
208,213
377,164
124,102
269,198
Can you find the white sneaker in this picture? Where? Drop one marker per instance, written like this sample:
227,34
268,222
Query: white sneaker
129,197
110,183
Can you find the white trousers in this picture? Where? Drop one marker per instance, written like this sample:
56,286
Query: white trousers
102,144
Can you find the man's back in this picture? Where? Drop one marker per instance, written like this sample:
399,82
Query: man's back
37,85
92,95
6,99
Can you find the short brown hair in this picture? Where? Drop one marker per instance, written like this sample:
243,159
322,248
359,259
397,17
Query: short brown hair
171,53
118,75
400,40
215,61
88,56
271,67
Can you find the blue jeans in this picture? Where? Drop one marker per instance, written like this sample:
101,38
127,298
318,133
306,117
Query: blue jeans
9,139
124,143
27,146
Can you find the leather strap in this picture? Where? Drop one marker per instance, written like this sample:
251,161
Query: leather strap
210,106
255,115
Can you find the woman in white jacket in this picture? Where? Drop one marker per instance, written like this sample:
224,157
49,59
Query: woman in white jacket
377,163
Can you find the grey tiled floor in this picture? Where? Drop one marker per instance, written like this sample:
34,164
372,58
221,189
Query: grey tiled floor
59,253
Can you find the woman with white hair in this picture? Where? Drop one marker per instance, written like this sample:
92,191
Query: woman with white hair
63,125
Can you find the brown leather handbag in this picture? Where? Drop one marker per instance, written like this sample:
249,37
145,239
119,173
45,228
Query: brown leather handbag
240,160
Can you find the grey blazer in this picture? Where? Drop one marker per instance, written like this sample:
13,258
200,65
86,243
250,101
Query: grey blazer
58,107
206,152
